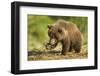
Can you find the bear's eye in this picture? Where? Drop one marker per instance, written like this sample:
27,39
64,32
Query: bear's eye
59,30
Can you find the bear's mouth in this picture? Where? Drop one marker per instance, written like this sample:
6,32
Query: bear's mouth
53,41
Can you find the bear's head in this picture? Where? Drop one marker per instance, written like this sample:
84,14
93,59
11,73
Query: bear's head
56,34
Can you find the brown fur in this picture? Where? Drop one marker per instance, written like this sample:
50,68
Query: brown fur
67,33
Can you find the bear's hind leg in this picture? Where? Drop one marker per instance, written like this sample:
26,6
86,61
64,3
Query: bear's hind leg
77,48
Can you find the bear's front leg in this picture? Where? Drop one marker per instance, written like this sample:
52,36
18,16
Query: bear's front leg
65,46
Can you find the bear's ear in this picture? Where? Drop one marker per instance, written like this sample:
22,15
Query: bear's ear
49,26
60,30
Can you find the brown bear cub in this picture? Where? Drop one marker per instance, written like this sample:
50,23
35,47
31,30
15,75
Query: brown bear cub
67,33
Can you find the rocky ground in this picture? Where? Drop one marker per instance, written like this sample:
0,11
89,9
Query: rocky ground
56,55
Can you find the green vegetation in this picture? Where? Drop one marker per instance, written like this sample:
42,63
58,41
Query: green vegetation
37,29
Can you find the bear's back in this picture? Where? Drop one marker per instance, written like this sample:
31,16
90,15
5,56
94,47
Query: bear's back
71,28
67,25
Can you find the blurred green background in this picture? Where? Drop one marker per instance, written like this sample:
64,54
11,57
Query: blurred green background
38,30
